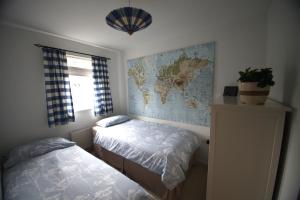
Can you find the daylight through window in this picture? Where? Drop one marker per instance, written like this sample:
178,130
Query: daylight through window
81,81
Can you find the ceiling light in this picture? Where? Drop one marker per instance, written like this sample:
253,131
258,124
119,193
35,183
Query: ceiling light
129,19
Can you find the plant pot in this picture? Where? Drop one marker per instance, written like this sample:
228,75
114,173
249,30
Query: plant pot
251,94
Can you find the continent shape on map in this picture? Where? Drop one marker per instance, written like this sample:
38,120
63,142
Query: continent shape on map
178,75
138,74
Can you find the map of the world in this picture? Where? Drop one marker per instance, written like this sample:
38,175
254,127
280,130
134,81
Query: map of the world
175,85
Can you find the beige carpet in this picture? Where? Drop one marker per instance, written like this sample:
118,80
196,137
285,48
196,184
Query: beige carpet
195,186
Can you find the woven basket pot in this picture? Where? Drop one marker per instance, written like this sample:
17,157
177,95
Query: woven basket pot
251,94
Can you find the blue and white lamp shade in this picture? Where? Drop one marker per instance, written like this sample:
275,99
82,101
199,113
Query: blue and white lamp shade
129,19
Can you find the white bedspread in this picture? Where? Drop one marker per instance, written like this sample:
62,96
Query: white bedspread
163,149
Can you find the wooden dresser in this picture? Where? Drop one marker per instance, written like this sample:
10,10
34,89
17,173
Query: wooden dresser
244,149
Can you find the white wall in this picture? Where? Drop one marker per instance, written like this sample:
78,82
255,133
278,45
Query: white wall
238,45
23,115
283,54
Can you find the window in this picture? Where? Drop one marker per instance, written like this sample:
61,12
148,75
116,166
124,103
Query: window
81,81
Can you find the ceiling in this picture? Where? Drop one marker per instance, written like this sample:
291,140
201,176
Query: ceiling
85,19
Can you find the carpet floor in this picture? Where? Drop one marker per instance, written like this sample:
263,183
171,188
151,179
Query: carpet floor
194,187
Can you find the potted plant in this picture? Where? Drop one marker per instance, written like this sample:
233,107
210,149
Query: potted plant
254,85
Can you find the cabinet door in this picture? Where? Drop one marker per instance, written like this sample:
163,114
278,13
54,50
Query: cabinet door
243,149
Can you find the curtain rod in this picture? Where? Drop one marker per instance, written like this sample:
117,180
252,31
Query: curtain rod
39,45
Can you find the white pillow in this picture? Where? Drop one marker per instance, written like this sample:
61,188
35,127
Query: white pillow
110,121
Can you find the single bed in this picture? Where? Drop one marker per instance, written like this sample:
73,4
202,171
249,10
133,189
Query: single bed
64,172
155,155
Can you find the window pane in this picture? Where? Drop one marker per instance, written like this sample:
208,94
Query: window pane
82,92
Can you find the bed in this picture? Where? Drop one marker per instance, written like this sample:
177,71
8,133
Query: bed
155,155
56,168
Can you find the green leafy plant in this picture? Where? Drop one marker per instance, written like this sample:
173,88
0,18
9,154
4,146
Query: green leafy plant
263,77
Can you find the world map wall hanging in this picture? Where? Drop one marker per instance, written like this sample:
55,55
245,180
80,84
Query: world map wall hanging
175,85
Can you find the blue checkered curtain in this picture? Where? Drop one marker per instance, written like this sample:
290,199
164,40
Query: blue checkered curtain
58,91
103,100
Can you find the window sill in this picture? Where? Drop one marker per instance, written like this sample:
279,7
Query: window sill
87,109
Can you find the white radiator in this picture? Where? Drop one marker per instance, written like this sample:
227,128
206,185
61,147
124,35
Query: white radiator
83,138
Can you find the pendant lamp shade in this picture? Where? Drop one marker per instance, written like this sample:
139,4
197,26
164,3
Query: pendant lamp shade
129,19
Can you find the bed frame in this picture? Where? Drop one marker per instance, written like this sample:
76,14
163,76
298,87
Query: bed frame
139,174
